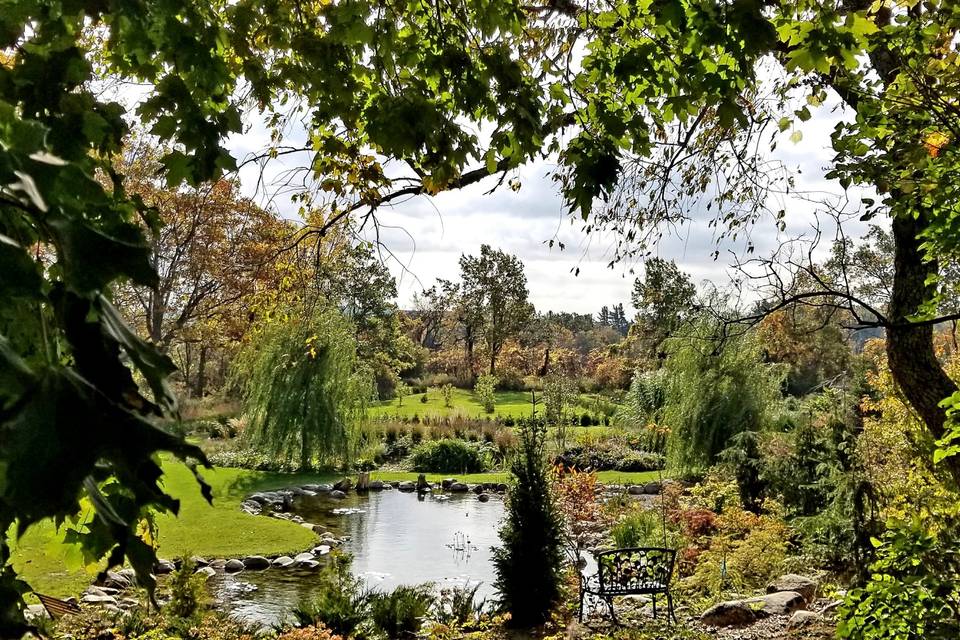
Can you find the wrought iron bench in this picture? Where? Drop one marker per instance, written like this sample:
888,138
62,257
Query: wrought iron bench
628,572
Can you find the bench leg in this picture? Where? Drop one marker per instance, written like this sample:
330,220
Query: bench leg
580,609
670,612
653,597
613,614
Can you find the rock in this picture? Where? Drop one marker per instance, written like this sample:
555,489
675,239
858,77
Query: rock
308,525
303,557
260,498
483,497
344,485
282,562
502,487
395,484
321,488
336,494
116,580
728,614
251,507
635,490
651,488
98,600
803,618
780,603
198,561
446,482
830,610
308,564
322,550
422,485
256,563
130,575
319,529
209,572
94,590
806,587
34,613
406,486
163,567
376,485
478,489
218,564
296,519
233,565
459,487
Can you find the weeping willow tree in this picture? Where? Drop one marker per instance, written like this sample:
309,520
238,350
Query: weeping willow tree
714,391
304,391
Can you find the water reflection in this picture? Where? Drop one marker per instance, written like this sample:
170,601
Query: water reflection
395,538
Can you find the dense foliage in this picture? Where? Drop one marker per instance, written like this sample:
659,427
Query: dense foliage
448,456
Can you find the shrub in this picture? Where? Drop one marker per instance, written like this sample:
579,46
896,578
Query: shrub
448,456
638,529
446,392
458,606
313,632
914,590
610,454
424,399
400,613
485,391
341,600
187,590
527,565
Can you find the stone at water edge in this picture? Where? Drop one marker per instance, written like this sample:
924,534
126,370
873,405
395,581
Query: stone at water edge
807,587
728,614
198,561
308,564
483,497
344,485
478,489
233,566
303,557
336,494
163,567
98,600
256,563
406,486
322,550
459,487
803,618
319,529
283,562
376,485
308,525
209,572
652,488
635,490
446,482
502,487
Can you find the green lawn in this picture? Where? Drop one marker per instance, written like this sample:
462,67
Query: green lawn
220,530
464,403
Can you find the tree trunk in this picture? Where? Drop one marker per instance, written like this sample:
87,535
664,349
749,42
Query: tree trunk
910,353
468,355
201,373
493,362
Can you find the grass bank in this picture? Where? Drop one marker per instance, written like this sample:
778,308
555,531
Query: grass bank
463,402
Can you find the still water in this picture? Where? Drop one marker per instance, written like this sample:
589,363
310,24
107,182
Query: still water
395,538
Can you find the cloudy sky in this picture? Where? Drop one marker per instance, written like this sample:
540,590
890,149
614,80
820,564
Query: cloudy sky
424,237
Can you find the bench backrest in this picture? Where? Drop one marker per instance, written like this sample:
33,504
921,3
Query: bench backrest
635,570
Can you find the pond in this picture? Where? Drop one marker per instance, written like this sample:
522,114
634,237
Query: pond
395,538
